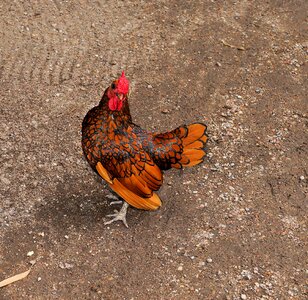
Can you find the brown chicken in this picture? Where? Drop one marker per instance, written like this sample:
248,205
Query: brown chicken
131,159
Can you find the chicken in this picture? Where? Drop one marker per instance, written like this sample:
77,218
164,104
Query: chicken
129,158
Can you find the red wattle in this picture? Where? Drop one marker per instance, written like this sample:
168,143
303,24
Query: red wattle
115,104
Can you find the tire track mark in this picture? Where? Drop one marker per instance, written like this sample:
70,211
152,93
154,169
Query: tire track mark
67,71
13,65
54,68
57,5
53,58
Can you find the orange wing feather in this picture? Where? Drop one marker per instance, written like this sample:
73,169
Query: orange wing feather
137,189
151,203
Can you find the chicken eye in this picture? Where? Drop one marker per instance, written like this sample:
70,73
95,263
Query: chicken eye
113,86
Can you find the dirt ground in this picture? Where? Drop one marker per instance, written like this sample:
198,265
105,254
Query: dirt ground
232,228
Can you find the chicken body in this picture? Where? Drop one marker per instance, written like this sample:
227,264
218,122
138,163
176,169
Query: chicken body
131,159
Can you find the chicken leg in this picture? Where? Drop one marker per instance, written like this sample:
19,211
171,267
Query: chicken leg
119,215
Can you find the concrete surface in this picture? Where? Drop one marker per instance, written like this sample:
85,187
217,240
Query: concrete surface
232,228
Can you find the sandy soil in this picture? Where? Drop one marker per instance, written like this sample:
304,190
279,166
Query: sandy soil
232,228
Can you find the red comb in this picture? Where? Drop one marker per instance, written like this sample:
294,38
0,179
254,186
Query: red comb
123,84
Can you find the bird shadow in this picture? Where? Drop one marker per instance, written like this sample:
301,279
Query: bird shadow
76,205
79,208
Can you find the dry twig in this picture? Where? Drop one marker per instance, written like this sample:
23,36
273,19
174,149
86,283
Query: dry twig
232,46
14,278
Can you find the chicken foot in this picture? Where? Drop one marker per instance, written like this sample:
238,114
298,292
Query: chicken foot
119,215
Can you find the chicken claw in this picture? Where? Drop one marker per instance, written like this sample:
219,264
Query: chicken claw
119,215
116,202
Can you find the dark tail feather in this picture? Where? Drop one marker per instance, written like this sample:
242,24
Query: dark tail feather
181,147
194,146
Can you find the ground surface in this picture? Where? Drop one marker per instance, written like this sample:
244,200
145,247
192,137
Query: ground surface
232,228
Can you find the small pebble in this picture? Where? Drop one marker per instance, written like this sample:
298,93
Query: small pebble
218,64
39,279
65,265
246,274
5,180
30,253
180,268
165,111
149,86
243,297
258,90
302,177
209,260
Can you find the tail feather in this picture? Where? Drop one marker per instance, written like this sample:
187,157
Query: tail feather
181,147
194,145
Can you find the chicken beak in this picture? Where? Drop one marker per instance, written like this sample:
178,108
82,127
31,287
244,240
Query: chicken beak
121,97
